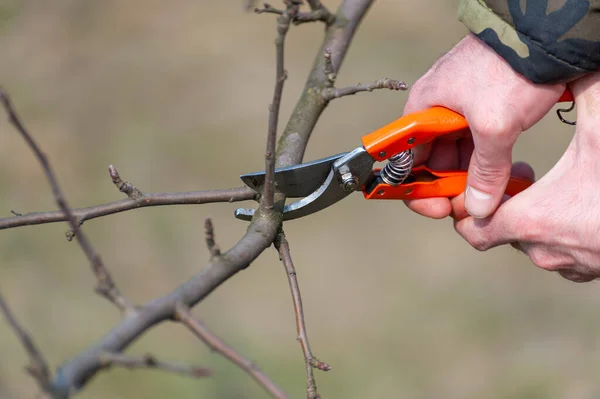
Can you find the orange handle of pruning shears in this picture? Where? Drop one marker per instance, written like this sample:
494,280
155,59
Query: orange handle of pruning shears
447,183
420,128
411,130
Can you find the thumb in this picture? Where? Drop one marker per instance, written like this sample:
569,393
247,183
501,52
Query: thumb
489,172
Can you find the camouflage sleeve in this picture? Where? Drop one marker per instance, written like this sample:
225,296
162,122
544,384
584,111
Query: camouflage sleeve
547,41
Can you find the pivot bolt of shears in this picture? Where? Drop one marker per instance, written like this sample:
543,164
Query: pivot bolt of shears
349,181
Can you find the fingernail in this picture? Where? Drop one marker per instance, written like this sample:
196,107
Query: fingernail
478,204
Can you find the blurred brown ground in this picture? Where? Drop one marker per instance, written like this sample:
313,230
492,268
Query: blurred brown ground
175,94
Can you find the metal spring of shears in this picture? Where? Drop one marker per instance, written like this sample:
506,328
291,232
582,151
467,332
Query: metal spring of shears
400,165
398,168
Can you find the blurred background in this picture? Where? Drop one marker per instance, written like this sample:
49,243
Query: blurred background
175,95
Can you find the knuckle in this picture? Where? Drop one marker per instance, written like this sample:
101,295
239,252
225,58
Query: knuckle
480,245
495,126
488,172
532,227
476,239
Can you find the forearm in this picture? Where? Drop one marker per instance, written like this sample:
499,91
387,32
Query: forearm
547,41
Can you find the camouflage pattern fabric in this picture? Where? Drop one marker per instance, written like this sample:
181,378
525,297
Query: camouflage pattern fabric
547,41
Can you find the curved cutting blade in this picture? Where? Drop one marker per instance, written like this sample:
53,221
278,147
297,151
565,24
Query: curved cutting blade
295,181
358,162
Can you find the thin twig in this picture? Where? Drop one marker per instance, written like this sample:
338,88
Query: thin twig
38,367
268,9
321,14
209,233
310,360
124,186
309,108
216,344
106,285
150,362
146,200
283,25
317,7
385,83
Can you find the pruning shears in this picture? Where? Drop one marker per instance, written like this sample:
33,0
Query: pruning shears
324,182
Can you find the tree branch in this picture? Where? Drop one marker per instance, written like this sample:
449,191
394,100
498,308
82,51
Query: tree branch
146,200
294,139
283,247
149,362
259,236
106,285
385,83
216,344
318,14
38,367
283,25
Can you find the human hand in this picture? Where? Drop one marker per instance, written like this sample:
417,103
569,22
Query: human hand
556,221
498,105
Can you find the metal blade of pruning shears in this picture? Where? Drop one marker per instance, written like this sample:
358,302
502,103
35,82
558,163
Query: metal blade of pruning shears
295,181
346,174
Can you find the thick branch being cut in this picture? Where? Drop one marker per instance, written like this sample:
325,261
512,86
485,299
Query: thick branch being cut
184,315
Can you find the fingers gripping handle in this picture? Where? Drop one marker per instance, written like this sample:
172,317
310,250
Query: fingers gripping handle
449,184
419,128
411,130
